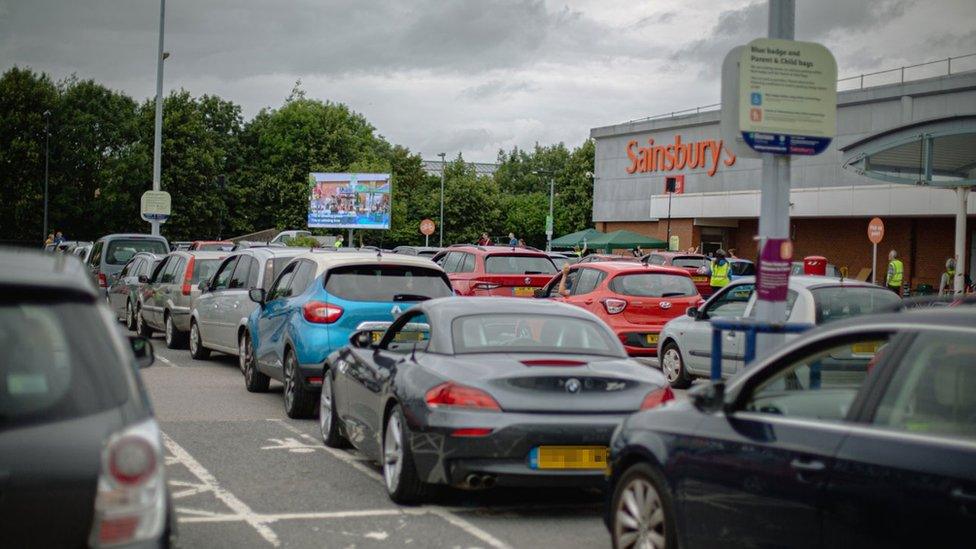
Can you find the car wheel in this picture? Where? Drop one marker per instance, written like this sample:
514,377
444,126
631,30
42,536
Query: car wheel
141,327
673,367
399,473
254,381
175,339
130,316
642,514
299,403
197,350
243,352
328,419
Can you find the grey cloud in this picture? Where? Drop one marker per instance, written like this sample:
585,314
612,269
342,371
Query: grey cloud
493,88
468,139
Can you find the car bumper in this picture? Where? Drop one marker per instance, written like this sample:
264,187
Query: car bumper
181,318
503,455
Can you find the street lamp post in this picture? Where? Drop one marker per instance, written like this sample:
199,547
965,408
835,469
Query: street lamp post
158,137
47,139
443,174
552,221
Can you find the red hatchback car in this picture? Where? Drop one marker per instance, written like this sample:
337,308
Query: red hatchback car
496,270
697,265
635,300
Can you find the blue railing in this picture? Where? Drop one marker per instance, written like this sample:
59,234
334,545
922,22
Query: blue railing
750,327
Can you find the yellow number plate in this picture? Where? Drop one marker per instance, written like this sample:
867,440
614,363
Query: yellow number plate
377,336
401,336
700,278
569,457
523,291
652,339
866,348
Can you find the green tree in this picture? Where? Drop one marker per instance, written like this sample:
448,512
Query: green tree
471,203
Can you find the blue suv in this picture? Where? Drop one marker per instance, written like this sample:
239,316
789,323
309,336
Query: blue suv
314,306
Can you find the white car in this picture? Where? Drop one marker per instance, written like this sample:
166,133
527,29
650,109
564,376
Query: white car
685,344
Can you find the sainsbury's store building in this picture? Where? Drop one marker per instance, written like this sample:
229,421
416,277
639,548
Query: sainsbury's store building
830,208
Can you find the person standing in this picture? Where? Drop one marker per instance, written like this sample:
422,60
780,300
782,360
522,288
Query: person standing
58,238
948,277
720,271
484,240
50,240
512,241
896,272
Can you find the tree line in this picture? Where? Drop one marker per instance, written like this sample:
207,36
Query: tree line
228,176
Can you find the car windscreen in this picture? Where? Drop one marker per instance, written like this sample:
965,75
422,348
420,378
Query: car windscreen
59,362
690,262
387,283
203,269
742,268
519,264
653,285
120,251
837,302
531,333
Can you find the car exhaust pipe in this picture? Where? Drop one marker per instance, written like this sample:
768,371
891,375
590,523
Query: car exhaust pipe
473,481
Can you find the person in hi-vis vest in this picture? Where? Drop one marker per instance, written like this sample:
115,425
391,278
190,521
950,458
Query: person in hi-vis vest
720,271
896,272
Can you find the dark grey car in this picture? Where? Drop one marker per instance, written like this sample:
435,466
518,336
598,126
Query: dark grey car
124,286
111,252
512,392
81,458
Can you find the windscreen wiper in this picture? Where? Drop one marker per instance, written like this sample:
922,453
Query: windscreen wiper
410,297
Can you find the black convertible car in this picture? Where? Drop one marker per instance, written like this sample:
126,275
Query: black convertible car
477,393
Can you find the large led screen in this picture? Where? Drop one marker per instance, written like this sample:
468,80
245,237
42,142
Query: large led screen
349,200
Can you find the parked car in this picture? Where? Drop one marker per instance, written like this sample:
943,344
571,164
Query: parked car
111,252
316,303
797,269
124,286
739,268
697,265
515,392
78,441
68,246
245,244
211,245
598,258
685,346
560,259
423,251
496,270
166,297
219,315
859,434
634,299
82,252
284,236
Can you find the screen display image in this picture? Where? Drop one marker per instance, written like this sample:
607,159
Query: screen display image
349,200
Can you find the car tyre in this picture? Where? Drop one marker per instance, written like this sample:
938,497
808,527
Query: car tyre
141,327
328,419
403,485
130,316
299,403
197,350
673,366
254,381
641,511
175,339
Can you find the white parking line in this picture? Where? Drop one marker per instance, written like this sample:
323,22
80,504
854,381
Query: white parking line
167,361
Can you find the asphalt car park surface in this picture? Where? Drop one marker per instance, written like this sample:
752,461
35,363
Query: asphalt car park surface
244,475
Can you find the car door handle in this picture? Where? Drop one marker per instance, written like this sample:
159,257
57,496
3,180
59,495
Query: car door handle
588,301
811,466
960,494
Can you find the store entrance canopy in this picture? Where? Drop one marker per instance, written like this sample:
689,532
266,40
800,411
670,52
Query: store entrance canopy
937,153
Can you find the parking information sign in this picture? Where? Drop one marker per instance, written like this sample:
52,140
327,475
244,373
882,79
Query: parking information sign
787,96
155,206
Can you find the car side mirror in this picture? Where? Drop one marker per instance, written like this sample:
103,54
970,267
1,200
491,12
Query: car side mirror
203,286
692,312
143,350
539,293
257,295
709,398
143,279
363,339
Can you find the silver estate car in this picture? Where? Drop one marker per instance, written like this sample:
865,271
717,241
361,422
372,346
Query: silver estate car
165,299
685,343
219,315
124,286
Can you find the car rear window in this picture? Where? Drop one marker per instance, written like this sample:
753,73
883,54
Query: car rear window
387,283
59,362
530,333
837,302
653,285
690,262
519,264
121,251
741,268
203,269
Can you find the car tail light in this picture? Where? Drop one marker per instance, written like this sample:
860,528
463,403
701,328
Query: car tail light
102,280
657,397
188,276
460,396
486,285
130,504
321,313
614,306
471,432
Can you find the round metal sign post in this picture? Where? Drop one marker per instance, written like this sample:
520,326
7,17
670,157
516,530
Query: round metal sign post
875,235
427,228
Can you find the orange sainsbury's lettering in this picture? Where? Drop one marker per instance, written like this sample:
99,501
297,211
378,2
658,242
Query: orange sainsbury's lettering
705,154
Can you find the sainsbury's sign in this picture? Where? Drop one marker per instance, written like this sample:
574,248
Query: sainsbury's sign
678,156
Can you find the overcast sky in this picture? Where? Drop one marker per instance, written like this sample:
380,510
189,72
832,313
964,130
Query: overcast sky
457,75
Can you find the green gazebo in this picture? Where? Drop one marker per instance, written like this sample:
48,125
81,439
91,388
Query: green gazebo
578,238
625,240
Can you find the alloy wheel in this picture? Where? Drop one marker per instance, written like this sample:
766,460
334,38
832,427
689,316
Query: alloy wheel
243,354
671,364
639,517
325,407
169,331
393,453
129,318
289,380
194,338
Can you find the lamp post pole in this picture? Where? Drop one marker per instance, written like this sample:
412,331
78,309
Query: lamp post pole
552,220
443,175
47,138
158,136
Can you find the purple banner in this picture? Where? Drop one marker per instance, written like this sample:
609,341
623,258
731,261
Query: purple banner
773,274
